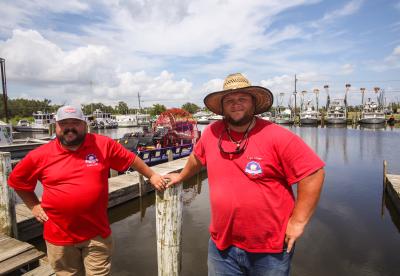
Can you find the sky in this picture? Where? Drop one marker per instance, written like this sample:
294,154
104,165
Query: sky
176,51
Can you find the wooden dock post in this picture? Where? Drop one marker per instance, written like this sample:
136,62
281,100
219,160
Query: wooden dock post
170,155
8,219
384,187
169,206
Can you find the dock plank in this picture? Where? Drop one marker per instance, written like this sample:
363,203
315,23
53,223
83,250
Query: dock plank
42,270
11,247
15,254
393,189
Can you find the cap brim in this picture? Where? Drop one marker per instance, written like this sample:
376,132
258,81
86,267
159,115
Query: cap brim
263,98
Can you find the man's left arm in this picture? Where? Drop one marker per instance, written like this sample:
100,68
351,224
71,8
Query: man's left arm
155,179
308,192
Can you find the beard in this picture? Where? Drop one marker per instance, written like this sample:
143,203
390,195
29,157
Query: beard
247,118
80,137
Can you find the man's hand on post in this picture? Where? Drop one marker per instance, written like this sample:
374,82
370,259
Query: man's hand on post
158,182
173,179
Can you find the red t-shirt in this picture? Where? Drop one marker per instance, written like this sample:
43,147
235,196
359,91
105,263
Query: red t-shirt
75,186
250,193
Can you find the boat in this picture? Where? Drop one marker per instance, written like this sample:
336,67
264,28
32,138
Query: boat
337,108
175,130
143,119
215,117
267,116
41,123
372,111
128,120
283,115
309,114
104,120
18,148
204,120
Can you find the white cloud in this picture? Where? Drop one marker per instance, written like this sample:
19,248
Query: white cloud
31,58
85,72
348,9
347,68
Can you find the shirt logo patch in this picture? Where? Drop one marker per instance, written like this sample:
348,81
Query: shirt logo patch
253,169
91,160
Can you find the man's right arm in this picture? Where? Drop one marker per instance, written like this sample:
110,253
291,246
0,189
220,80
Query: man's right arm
32,202
193,166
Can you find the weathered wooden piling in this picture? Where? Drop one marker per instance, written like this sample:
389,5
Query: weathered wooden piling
8,220
169,204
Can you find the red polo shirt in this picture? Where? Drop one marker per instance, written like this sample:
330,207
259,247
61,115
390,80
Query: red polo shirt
250,193
75,186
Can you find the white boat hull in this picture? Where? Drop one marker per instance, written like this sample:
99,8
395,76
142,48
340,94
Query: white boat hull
372,121
336,121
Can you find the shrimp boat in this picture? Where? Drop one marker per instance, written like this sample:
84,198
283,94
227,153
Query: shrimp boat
309,114
372,111
336,108
283,115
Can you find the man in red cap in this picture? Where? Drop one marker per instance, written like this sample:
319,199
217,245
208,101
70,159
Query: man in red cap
251,166
73,170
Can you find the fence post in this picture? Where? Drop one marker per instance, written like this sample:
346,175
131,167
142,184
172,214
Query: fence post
169,206
170,155
8,220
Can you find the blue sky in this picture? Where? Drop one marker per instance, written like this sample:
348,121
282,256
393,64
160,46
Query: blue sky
175,51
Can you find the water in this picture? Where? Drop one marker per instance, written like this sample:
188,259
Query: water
347,235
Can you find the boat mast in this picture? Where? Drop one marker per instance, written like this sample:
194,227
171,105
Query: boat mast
362,95
316,91
328,97
348,85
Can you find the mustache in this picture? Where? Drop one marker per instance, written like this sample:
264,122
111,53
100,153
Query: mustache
68,130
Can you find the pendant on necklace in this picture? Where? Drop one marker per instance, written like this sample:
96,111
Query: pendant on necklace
237,146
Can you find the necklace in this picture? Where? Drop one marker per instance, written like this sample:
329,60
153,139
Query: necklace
244,137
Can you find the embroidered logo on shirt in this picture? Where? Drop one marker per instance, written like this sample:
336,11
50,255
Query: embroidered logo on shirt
91,160
253,169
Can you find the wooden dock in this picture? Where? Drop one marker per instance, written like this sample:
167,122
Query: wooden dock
393,189
122,188
15,254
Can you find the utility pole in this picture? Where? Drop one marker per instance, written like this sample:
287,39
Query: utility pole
4,86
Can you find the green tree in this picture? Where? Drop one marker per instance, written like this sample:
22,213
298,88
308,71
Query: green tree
190,107
157,109
122,108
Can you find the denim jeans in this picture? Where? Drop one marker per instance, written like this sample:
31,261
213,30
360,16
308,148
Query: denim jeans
236,261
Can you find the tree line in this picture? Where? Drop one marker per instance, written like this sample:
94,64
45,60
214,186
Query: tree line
23,108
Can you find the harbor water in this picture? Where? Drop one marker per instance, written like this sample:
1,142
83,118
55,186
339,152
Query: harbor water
352,231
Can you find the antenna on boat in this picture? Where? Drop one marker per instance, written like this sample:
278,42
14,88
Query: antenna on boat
4,86
316,91
328,98
362,95
348,85
302,98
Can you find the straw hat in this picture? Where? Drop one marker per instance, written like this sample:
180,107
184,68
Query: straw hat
238,83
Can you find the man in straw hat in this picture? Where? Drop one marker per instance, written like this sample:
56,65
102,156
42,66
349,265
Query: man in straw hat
252,165
73,170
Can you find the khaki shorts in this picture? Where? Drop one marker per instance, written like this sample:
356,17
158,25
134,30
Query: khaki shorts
92,257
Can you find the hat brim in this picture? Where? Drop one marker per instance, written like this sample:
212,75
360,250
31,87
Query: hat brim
263,98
